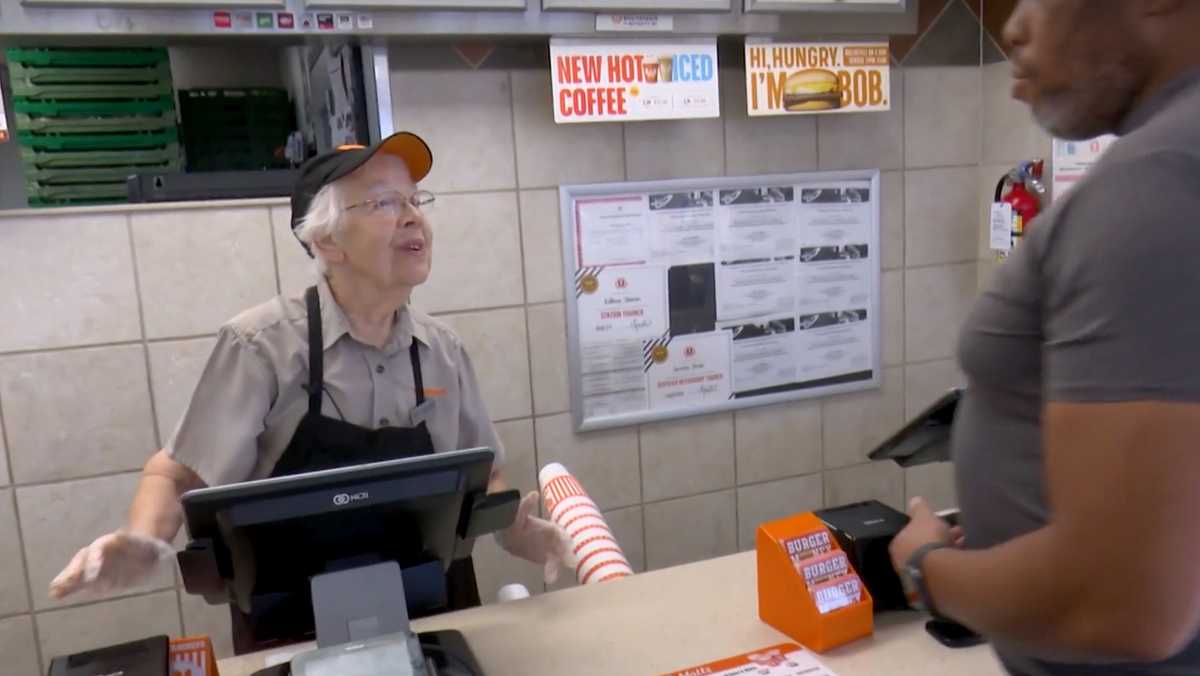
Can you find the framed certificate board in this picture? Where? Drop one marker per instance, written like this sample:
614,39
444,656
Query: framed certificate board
693,296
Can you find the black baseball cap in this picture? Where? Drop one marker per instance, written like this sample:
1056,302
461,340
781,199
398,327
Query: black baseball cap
324,169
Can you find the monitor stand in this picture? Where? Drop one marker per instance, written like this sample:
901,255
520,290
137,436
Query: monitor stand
367,602
359,604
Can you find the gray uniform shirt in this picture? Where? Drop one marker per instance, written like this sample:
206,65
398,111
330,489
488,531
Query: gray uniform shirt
1098,304
252,394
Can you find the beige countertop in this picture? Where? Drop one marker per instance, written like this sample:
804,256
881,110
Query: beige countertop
667,620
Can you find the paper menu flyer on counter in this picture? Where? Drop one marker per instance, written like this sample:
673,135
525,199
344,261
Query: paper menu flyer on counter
785,659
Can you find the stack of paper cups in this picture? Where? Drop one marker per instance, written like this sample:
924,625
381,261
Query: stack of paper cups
595,549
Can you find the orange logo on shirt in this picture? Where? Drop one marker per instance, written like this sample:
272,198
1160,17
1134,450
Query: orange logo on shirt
435,391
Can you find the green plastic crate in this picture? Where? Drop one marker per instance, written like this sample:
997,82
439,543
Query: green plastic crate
92,91
78,192
66,56
101,108
92,125
38,160
151,139
78,175
35,75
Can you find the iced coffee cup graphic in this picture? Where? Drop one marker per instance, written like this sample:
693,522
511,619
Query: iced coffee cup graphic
665,65
650,70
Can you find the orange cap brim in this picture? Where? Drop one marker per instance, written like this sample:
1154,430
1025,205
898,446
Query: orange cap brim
412,149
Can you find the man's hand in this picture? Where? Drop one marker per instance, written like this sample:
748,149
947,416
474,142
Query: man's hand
923,528
537,540
115,561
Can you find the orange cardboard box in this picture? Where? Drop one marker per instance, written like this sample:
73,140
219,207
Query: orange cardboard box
784,601
193,656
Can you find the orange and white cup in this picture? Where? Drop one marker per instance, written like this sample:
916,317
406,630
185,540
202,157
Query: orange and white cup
595,549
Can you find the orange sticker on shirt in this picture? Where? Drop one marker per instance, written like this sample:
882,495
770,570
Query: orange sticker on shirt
435,391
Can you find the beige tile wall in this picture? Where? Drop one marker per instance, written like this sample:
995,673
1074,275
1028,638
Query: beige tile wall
109,320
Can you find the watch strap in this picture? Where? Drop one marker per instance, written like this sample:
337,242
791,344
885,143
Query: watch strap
916,573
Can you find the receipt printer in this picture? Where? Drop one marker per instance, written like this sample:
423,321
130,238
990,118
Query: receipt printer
864,530
147,657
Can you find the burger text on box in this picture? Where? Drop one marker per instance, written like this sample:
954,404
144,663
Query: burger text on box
807,78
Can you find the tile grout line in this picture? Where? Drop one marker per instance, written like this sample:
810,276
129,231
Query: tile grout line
274,249
921,37
638,428
468,311
624,153
37,640
103,345
737,517
642,501
137,286
12,489
62,480
817,140
980,146
512,111
512,127
179,607
126,596
726,489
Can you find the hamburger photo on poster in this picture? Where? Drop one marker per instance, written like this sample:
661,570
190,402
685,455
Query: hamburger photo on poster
817,78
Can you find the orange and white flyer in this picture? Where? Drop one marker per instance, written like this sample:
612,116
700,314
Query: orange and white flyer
620,81
817,78
785,659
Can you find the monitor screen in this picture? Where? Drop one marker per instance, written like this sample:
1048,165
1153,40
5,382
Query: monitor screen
258,544
925,438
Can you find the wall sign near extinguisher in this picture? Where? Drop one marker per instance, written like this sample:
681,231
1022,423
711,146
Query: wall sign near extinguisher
1017,202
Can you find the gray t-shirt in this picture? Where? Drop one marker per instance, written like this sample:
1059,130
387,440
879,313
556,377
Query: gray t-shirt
1100,303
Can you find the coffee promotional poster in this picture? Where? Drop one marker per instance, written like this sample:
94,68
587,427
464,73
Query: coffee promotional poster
615,81
817,78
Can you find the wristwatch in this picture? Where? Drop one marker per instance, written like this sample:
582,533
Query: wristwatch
913,579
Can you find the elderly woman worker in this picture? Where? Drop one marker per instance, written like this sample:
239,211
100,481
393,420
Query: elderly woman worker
347,372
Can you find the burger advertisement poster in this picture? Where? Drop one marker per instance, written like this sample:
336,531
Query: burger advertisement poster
619,81
817,78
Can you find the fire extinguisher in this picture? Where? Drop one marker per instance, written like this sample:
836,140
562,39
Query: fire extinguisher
1017,202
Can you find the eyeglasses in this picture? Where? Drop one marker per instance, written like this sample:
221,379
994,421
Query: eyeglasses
392,204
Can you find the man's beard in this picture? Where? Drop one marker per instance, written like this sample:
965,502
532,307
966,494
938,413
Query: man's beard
1091,107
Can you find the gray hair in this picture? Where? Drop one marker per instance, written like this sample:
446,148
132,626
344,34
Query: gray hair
322,220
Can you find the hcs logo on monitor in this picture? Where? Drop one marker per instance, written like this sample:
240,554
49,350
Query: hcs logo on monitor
343,499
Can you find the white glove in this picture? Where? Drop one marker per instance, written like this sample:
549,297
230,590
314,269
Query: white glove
115,561
537,540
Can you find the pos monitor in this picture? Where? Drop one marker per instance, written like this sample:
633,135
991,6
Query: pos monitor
263,546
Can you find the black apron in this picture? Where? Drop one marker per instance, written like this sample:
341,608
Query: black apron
321,442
